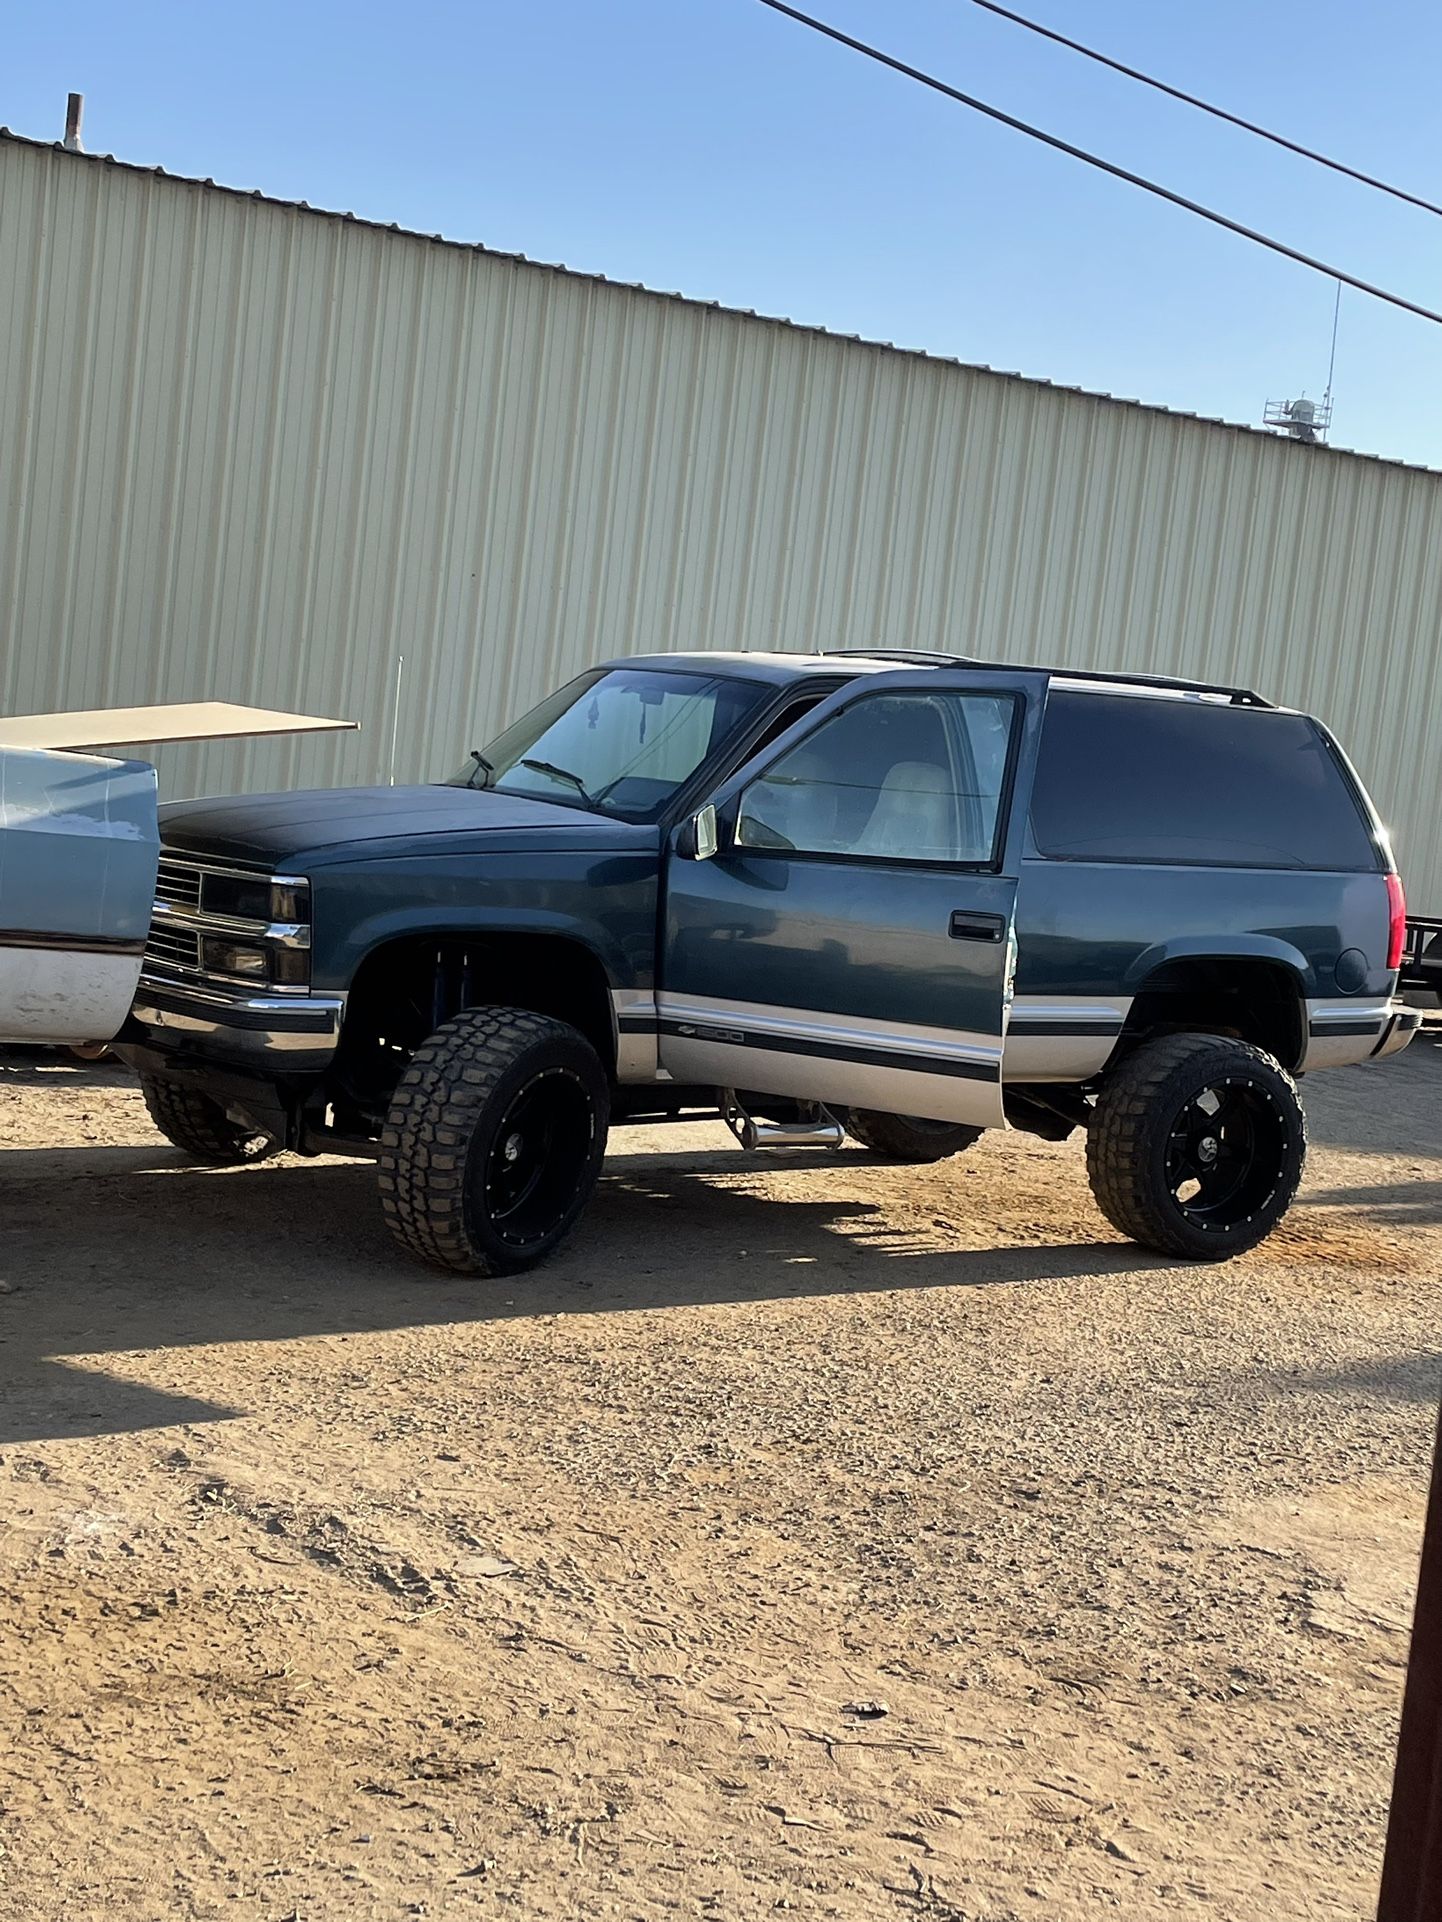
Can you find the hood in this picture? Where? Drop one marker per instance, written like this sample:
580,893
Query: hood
269,828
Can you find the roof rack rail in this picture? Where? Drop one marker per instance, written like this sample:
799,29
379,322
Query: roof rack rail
910,656
1238,696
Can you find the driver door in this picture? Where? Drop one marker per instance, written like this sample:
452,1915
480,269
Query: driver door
852,939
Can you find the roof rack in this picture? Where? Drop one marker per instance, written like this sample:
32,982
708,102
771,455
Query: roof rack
909,656
1238,696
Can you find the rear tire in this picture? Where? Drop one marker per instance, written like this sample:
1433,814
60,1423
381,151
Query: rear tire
900,1137
200,1127
1196,1146
494,1140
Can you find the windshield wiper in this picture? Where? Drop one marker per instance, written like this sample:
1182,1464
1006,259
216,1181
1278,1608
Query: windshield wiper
562,774
482,766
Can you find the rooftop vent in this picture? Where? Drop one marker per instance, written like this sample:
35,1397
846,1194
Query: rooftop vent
1300,419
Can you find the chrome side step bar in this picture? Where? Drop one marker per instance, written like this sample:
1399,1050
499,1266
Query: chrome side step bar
818,1128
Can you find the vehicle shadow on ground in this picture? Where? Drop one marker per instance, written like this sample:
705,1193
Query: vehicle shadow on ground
1382,1107
58,1068
1414,1204
110,1250
1413,1380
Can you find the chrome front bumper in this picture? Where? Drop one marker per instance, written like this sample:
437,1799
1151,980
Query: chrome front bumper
292,1032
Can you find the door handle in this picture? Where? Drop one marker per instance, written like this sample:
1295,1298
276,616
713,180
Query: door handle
965,926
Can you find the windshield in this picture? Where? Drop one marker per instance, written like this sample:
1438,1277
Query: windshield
620,742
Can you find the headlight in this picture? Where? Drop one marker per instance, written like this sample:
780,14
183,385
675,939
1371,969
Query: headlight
239,897
235,958
253,929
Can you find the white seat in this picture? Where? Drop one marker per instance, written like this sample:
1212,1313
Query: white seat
912,816
802,806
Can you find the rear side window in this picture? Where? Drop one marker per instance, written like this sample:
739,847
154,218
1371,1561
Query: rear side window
1125,778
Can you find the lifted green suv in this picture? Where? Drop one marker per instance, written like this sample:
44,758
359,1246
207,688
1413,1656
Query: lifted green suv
903,898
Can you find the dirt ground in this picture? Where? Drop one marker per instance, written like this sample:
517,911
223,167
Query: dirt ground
811,1536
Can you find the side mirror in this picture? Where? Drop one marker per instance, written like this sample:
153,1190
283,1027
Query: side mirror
749,831
702,837
709,832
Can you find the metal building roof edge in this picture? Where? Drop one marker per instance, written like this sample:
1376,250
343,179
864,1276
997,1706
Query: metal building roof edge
9,137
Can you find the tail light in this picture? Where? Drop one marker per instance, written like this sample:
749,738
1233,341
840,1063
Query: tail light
1397,924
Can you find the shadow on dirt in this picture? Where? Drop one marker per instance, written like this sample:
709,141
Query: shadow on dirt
1414,1204
110,1250
1413,1380
58,1068
1382,1108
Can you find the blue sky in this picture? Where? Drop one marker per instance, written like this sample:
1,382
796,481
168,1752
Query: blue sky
713,147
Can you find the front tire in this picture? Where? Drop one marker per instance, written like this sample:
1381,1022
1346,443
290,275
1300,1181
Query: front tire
1196,1146
200,1127
901,1137
493,1142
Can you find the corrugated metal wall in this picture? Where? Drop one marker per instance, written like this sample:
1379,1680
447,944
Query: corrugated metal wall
254,453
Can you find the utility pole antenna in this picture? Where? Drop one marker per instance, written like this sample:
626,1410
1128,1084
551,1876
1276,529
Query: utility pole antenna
1332,362
396,715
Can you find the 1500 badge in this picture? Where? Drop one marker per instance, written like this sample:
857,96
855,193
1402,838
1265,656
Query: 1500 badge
711,1034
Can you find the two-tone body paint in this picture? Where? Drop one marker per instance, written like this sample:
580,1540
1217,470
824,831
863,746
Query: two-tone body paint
835,982
1088,943
878,983
824,977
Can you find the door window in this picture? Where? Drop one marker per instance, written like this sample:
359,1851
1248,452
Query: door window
912,776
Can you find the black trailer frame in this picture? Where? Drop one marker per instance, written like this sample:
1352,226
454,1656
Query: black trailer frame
1422,954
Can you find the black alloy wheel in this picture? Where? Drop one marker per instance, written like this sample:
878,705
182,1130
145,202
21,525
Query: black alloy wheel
1196,1145
494,1140
1226,1154
526,1182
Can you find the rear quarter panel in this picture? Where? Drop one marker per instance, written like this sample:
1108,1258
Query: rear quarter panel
1089,933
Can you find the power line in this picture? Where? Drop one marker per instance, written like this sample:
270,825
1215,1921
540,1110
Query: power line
1095,160
1221,113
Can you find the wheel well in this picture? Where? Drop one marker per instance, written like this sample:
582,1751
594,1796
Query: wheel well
1258,1001
405,989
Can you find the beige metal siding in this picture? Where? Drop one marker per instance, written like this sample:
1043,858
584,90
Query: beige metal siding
253,453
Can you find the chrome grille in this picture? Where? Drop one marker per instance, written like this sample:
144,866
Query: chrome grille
200,905
178,885
173,948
